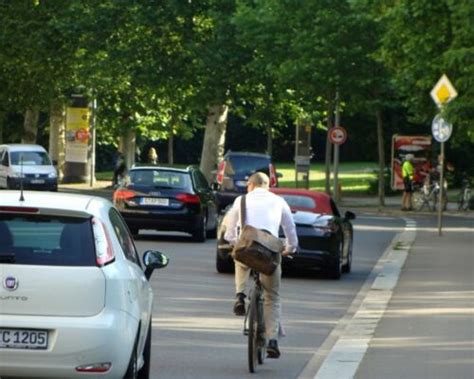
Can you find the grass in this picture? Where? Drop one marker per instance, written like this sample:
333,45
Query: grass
354,177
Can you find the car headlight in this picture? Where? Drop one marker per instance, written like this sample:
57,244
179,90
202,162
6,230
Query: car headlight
17,175
52,175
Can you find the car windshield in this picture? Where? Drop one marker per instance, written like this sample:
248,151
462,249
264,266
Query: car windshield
295,201
30,158
160,178
46,240
247,164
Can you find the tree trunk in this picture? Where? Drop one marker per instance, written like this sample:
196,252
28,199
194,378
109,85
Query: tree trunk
327,157
30,125
269,140
57,135
2,117
214,139
380,142
171,146
127,146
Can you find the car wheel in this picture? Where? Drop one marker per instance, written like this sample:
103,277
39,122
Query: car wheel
144,372
132,370
348,266
199,234
223,266
213,232
335,267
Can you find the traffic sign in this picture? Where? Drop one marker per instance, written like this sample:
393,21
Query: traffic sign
441,129
443,92
337,135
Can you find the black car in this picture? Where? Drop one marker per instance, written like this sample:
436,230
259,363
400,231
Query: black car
234,170
168,199
325,237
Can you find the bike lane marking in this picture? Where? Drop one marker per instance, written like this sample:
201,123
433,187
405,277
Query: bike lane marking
350,342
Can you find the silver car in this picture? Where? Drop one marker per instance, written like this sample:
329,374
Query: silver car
74,295
27,165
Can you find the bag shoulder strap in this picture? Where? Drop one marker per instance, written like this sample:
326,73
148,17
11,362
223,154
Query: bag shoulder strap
242,211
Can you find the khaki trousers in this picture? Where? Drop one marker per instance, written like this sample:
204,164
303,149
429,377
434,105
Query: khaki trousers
271,295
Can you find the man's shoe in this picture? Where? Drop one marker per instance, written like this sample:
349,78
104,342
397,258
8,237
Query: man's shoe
272,349
239,306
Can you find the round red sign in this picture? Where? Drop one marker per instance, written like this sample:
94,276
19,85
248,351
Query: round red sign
82,135
337,135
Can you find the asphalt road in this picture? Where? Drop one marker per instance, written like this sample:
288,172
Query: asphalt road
196,335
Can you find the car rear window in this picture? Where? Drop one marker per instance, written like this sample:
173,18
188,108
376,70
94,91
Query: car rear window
160,179
299,201
30,158
247,164
46,240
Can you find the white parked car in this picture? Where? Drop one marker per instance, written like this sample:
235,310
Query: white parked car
75,300
27,165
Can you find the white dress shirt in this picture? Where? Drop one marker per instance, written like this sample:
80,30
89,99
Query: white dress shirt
265,210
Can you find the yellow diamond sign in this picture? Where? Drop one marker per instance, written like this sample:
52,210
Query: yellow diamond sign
443,92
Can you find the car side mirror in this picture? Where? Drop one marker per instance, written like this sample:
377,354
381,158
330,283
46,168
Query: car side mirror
214,186
55,162
153,259
349,215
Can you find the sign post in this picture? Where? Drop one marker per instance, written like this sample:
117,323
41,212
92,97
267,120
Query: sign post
441,132
442,93
337,136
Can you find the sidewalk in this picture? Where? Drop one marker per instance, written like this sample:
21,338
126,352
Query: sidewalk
427,330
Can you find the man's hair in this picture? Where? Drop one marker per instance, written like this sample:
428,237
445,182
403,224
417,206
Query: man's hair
259,179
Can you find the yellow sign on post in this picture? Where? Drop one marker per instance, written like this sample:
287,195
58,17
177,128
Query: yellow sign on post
77,134
443,92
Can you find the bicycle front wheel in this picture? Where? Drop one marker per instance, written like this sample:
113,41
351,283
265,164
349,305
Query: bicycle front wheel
253,334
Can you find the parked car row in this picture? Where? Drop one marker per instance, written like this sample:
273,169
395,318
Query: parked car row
81,249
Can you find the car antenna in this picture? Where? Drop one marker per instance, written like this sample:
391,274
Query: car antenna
22,198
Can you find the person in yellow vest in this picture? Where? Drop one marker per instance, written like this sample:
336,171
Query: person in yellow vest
408,173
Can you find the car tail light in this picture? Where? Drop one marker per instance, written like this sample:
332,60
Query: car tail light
103,246
123,194
19,209
94,367
273,177
220,172
188,198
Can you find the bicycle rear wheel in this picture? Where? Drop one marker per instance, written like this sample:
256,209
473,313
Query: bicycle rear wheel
261,342
418,200
253,334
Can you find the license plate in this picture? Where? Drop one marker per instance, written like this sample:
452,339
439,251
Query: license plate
23,339
37,181
155,201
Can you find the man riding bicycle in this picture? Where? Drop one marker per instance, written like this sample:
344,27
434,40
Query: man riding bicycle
265,211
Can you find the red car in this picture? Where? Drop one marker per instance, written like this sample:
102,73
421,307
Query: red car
325,237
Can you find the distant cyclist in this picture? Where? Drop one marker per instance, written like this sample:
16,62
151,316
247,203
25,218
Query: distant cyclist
266,211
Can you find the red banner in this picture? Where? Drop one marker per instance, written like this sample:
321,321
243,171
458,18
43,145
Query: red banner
420,147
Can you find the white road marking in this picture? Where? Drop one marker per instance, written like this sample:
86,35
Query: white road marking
347,353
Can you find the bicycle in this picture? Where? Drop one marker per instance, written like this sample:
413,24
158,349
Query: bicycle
428,195
254,324
464,197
